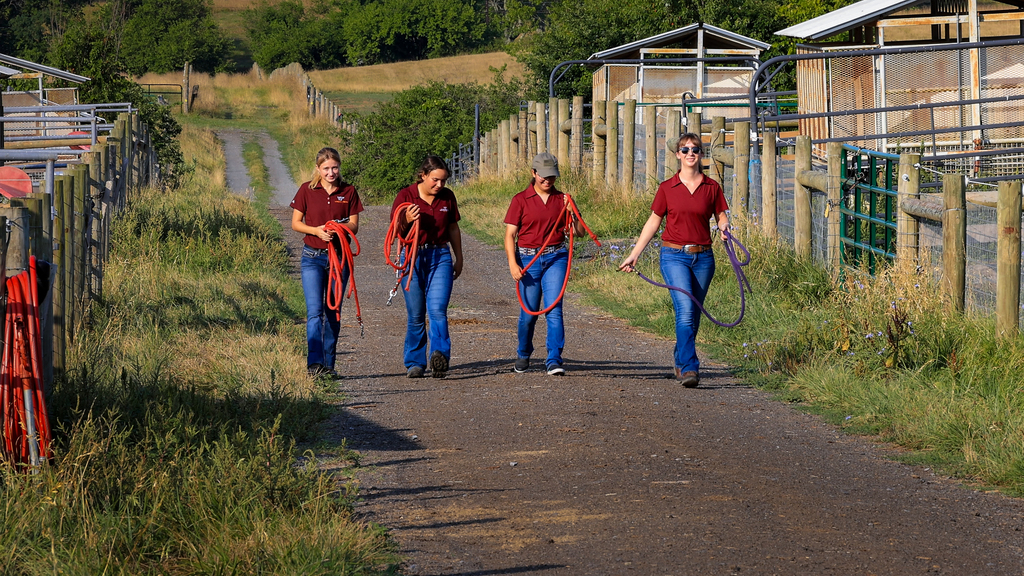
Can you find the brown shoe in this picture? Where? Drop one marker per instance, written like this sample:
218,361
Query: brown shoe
689,379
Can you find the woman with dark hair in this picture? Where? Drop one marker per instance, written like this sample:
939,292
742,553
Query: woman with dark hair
687,201
324,198
534,216
438,262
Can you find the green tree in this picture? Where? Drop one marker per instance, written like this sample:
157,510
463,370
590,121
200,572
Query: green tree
575,30
396,30
161,35
290,32
92,50
392,141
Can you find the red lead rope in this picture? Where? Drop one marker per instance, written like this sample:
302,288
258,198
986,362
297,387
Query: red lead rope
335,286
409,242
569,211
26,428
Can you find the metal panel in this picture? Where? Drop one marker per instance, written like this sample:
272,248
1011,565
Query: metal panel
812,97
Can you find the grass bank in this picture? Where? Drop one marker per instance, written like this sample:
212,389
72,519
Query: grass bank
884,356
180,412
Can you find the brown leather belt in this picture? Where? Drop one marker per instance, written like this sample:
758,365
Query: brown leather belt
688,248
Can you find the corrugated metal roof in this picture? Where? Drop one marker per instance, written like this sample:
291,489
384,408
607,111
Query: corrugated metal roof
846,18
672,36
56,73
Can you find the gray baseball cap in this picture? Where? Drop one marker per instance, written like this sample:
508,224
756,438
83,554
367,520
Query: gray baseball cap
546,165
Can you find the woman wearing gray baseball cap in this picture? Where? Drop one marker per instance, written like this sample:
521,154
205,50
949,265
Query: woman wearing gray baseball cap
535,231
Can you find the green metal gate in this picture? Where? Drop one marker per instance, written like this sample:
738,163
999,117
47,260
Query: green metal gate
867,226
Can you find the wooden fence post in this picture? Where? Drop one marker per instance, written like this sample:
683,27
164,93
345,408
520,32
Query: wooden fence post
503,145
717,140
524,137
769,216
741,161
94,199
1008,260
802,200
564,128
532,126
58,273
611,145
513,141
576,144
693,124
954,238
81,254
542,128
69,257
650,148
18,248
600,129
907,188
628,145
671,143
834,196
553,121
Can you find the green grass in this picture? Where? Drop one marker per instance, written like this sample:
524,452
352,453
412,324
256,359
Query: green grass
360,102
179,416
884,356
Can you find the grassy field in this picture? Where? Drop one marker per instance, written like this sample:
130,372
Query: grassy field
401,75
884,356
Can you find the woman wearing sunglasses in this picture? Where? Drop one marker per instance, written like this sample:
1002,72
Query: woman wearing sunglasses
686,202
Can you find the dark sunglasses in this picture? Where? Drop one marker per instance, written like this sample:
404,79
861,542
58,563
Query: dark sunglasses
688,149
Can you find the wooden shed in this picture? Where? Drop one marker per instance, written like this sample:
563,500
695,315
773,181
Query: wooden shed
893,80
652,81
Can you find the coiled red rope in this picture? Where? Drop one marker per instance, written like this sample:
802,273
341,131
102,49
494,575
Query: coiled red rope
335,282
26,426
395,243
564,221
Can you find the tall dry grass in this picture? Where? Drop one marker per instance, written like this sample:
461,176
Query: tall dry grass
404,75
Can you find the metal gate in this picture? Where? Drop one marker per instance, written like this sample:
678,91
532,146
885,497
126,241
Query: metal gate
867,229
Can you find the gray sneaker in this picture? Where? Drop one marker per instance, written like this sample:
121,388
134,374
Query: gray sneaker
555,370
522,365
415,372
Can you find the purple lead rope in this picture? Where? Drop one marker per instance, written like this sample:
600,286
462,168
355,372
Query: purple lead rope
741,279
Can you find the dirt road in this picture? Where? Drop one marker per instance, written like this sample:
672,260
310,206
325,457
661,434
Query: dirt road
614,468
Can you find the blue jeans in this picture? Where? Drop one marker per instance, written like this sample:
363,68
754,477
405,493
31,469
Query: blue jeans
546,275
691,272
427,297
322,324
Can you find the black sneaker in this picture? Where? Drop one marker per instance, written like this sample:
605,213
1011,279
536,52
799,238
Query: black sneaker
522,365
438,365
315,370
555,370
415,372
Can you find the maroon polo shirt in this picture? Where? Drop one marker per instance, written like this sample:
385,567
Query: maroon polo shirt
434,218
536,219
688,214
319,208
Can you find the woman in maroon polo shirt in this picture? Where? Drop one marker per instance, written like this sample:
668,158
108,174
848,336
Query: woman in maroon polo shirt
532,215
689,200
438,264
324,198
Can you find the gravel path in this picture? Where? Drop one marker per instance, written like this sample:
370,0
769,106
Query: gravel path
615,469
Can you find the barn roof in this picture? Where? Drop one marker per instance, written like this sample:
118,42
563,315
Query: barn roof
853,16
47,70
715,37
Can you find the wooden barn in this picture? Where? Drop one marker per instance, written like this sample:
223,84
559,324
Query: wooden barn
906,79
651,81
